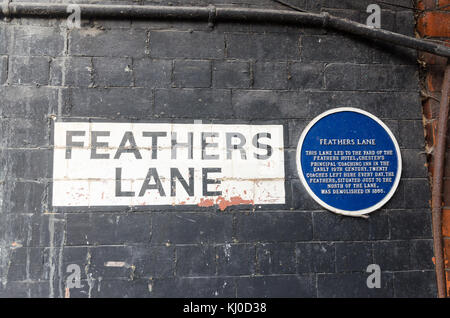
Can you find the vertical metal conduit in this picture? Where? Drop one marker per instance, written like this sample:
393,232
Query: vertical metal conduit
438,176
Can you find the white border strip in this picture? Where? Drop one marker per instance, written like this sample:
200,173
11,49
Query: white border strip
315,197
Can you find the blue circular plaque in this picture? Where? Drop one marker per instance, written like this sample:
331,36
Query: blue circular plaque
349,161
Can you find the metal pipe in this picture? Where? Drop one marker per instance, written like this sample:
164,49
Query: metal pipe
438,174
221,14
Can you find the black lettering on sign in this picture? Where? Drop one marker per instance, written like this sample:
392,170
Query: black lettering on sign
206,144
154,136
152,173
175,174
176,145
95,144
119,192
128,137
258,145
231,146
70,143
206,181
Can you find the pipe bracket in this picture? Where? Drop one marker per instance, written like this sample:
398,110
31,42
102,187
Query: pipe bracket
212,16
326,19
6,10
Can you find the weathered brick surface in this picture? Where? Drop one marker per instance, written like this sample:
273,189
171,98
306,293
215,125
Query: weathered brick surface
316,257
192,103
106,102
34,41
192,73
369,77
434,24
29,70
233,73
273,258
270,75
175,44
152,73
111,43
353,256
195,260
110,72
71,71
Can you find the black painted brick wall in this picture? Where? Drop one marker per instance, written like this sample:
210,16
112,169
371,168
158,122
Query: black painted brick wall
233,73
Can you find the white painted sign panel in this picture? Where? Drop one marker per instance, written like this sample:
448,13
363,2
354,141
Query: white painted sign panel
131,164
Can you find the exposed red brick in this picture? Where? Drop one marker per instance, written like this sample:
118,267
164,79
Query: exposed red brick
444,4
426,4
434,24
446,222
429,58
447,253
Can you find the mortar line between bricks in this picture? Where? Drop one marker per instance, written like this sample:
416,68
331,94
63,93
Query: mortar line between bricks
172,74
50,59
7,71
212,73
233,110
316,276
175,262
225,121
410,271
153,99
225,45
146,277
372,251
251,64
335,254
256,263
218,245
239,276
230,59
216,261
239,89
240,212
133,74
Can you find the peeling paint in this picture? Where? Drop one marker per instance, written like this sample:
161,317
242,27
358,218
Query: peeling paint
115,264
16,245
227,251
223,203
91,31
206,202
